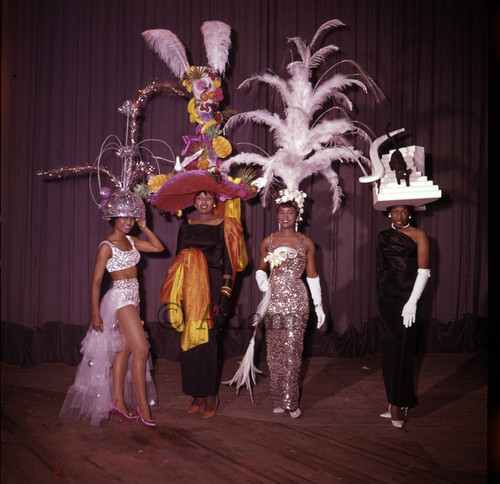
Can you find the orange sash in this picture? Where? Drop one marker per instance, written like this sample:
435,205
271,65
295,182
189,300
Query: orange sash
187,281
187,284
235,243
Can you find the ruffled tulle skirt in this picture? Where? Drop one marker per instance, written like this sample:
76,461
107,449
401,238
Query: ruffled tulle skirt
91,394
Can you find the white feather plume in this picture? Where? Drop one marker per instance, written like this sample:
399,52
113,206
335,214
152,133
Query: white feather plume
307,142
272,80
320,57
170,49
217,39
246,373
329,24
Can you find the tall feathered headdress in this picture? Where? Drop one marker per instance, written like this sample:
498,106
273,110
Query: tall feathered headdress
203,151
307,143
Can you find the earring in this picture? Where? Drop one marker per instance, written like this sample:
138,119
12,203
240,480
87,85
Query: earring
389,216
214,205
279,227
409,217
296,226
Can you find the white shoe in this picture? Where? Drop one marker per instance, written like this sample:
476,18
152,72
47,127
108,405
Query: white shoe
386,414
278,410
296,414
404,411
399,424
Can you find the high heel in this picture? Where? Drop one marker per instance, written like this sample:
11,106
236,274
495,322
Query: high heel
387,414
194,407
296,413
211,413
147,423
404,411
399,424
113,409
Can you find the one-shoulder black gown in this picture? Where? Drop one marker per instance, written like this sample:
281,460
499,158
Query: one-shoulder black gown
397,265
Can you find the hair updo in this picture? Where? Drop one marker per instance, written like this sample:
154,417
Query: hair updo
289,204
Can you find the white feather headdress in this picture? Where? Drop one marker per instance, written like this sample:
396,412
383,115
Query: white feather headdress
307,143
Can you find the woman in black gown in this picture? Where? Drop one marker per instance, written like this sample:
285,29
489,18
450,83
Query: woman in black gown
207,256
402,263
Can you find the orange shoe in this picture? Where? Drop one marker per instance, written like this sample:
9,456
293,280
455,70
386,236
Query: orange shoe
211,413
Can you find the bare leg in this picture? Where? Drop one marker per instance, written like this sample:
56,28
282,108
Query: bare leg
396,413
119,371
210,402
130,326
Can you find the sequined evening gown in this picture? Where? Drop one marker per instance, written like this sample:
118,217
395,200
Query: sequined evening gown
285,323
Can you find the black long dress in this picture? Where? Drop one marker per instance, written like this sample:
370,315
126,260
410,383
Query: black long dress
397,265
199,364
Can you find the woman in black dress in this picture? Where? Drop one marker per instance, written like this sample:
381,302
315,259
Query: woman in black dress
402,263
207,257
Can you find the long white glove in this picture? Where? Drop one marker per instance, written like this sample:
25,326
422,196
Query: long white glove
313,283
262,282
410,308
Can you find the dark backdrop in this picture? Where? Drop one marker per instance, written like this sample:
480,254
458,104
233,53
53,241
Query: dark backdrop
68,65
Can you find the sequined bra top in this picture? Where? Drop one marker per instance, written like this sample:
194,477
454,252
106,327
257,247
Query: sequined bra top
122,259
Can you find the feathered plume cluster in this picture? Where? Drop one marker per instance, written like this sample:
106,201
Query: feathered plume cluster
217,40
203,151
306,142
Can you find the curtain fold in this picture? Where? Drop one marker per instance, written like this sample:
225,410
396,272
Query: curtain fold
68,66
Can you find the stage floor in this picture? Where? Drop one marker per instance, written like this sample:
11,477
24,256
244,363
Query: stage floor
339,438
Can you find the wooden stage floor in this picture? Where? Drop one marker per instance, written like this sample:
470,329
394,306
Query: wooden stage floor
339,438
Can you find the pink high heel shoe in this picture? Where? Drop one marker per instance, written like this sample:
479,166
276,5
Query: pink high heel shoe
113,409
147,423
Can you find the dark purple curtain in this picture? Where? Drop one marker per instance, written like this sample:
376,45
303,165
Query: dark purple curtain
67,66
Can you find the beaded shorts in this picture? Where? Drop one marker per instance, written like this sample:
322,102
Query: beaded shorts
128,290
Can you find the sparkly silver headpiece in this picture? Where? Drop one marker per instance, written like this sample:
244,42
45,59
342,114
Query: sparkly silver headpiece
123,203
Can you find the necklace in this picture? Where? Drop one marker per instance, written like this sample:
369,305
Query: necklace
395,228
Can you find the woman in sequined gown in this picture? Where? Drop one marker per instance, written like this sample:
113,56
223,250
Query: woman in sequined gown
102,385
287,253
402,264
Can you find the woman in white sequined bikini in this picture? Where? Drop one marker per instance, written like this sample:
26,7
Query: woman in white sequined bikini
102,386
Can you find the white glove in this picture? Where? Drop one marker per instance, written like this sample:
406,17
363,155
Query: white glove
313,283
262,282
410,308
